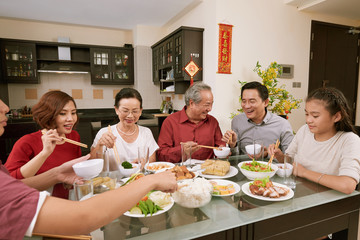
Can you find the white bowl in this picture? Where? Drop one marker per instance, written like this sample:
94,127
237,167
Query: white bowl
223,153
250,149
89,169
128,171
252,175
282,171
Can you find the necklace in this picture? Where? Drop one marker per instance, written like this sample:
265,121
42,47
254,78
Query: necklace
127,134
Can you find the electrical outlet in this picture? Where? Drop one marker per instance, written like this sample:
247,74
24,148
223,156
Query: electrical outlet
296,85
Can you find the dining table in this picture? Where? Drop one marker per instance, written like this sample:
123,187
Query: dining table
314,211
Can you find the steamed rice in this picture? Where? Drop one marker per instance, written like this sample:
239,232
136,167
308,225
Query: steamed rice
193,193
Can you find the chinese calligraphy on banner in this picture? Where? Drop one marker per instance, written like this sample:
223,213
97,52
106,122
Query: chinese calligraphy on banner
225,41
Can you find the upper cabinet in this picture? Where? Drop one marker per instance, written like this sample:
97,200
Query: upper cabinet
112,66
18,62
172,53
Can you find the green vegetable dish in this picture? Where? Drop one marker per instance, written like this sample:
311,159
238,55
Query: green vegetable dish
127,165
255,166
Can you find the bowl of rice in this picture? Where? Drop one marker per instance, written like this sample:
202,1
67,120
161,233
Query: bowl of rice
193,193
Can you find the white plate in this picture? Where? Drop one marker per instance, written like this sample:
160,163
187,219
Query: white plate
246,190
232,172
169,165
165,209
226,182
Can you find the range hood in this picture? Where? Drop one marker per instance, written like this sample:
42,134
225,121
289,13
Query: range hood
64,64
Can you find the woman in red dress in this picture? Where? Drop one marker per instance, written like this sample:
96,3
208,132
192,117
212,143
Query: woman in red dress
36,152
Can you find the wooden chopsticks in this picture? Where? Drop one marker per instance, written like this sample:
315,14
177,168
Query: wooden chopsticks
69,140
272,156
117,157
204,146
80,237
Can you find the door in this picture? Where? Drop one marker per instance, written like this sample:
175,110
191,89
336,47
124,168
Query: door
334,59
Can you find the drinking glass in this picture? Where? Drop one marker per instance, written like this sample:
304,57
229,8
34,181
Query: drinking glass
290,177
83,190
185,154
143,158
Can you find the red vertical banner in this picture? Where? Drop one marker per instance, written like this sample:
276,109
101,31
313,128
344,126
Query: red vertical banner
225,41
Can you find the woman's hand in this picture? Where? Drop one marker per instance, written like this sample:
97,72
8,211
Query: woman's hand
230,138
49,139
299,170
107,139
278,154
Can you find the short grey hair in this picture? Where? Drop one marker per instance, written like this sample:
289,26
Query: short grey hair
193,92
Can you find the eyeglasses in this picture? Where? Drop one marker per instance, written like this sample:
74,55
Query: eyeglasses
127,112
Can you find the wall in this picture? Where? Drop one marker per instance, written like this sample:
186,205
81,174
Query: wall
40,31
263,31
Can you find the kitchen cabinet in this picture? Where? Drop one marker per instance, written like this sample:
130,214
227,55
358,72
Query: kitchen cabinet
18,62
170,56
112,66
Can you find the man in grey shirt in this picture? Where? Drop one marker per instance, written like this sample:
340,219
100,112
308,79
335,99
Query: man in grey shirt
256,123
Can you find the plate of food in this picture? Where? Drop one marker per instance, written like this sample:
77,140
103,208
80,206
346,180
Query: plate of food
266,190
182,173
220,169
154,203
156,166
222,188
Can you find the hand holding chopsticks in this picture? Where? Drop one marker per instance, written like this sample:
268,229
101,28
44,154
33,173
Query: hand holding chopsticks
68,140
272,156
204,146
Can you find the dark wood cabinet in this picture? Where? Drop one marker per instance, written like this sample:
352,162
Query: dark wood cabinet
172,53
112,66
18,62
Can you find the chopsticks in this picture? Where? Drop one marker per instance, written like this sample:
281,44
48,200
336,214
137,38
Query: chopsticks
204,146
68,140
117,157
80,237
272,156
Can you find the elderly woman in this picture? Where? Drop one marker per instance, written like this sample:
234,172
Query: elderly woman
36,152
126,135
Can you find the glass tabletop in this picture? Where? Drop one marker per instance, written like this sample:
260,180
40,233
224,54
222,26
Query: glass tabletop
221,213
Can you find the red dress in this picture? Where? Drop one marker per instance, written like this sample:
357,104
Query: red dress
18,204
31,145
178,128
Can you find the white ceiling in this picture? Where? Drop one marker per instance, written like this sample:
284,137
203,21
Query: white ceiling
349,9
120,14
126,14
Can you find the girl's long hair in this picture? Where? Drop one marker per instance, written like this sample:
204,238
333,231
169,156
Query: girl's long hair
334,101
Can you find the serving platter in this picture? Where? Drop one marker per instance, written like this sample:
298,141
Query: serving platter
232,172
165,209
226,182
152,167
245,188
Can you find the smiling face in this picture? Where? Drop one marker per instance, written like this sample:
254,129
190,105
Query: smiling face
3,110
198,111
129,111
319,120
253,106
66,119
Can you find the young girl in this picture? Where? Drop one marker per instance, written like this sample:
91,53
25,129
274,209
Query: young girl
36,153
326,149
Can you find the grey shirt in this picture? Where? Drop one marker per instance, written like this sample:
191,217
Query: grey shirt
272,127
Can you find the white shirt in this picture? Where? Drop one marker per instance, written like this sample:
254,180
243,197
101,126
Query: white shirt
129,151
339,155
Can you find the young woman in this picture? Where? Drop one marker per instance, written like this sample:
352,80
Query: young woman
36,153
126,135
326,149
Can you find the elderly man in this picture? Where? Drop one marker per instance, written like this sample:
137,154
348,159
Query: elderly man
256,122
192,125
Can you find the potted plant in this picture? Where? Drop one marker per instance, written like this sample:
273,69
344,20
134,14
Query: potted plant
281,102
